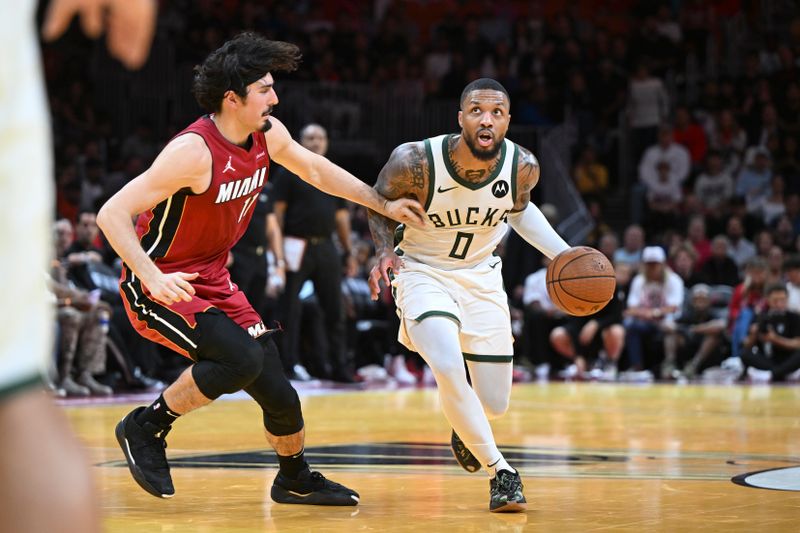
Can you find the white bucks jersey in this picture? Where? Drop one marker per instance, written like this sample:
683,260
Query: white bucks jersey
466,221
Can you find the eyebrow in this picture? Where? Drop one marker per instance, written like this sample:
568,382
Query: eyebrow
502,103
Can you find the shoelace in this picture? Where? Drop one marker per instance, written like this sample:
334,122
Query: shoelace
507,483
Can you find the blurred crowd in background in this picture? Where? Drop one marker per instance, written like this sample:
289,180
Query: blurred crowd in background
686,121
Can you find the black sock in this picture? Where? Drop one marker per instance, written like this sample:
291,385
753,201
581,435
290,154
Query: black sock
292,465
157,413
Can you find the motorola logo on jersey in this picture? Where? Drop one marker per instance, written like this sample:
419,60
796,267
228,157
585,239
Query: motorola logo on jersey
241,187
500,189
471,216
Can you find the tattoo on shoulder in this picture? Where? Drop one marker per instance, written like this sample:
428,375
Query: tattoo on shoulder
527,177
406,172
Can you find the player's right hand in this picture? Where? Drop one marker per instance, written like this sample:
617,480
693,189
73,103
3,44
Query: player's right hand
130,25
172,287
387,262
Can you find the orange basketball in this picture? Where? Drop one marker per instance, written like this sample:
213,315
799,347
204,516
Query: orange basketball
580,281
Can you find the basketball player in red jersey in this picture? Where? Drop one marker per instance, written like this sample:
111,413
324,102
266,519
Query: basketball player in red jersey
194,203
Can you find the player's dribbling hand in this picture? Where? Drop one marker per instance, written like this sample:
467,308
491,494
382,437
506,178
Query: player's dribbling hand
130,25
405,211
387,261
172,287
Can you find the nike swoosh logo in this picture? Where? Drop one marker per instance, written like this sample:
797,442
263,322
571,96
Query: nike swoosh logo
492,266
445,190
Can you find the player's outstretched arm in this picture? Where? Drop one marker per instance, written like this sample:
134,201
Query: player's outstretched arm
332,179
184,163
130,25
526,218
404,175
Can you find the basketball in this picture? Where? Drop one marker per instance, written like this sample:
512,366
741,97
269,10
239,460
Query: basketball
580,281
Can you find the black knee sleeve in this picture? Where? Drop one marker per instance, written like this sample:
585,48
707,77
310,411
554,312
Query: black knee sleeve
276,396
228,359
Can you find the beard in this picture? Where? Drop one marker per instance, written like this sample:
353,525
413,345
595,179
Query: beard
267,125
483,154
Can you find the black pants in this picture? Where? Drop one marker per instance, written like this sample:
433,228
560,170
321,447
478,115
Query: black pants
322,265
780,366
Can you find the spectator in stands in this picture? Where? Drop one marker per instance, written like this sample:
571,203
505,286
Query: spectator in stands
693,342
666,150
788,164
632,246
747,301
591,176
753,182
696,235
792,269
683,259
773,343
764,242
720,269
540,317
655,297
608,244
648,106
729,139
775,266
773,205
739,247
691,135
714,186
784,233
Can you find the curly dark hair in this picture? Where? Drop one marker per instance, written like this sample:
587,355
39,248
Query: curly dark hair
238,63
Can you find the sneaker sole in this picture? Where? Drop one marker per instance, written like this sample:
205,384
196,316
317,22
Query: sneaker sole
471,468
511,507
281,495
136,472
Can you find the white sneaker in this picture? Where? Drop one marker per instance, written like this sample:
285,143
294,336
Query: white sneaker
399,371
571,372
300,373
636,376
371,373
794,376
542,371
759,376
732,364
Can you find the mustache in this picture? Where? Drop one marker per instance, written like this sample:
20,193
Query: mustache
268,112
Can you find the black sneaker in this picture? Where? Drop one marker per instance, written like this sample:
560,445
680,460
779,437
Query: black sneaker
311,488
505,493
143,447
462,454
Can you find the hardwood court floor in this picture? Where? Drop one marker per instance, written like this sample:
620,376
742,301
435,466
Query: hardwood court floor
594,457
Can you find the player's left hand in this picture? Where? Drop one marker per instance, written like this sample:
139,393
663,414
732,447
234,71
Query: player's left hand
405,211
387,262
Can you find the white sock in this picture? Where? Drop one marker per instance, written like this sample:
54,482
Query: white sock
499,464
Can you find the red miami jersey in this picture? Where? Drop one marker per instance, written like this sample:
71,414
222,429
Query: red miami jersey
191,232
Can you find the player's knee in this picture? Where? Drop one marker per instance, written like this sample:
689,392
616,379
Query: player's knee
495,406
284,417
448,369
240,365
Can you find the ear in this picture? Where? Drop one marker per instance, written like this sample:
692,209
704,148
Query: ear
460,119
231,98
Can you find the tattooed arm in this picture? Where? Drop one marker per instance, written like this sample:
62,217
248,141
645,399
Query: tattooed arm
526,219
405,175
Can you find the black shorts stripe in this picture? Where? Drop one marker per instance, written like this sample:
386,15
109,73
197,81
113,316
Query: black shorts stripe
159,318
149,238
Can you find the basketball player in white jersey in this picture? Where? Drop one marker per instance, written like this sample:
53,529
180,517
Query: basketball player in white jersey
445,279
45,483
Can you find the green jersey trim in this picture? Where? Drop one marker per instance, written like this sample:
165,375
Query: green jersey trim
431,173
469,185
488,358
514,174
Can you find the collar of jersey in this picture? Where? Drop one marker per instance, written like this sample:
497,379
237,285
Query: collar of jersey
468,184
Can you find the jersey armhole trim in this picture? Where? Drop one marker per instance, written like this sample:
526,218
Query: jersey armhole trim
21,385
211,170
514,163
431,173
